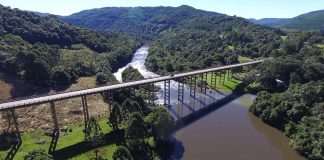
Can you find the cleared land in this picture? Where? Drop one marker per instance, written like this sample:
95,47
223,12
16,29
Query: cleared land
39,117
243,59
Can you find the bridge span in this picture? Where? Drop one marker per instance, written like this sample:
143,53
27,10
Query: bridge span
180,78
81,93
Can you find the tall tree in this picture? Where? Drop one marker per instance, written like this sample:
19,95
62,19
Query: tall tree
115,117
122,153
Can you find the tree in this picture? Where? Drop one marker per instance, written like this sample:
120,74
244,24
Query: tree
93,134
135,134
39,73
136,127
38,155
267,81
162,124
129,107
60,76
102,78
122,153
131,74
115,117
294,78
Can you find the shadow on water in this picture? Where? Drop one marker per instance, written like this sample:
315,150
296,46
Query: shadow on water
114,137
179,149
198,114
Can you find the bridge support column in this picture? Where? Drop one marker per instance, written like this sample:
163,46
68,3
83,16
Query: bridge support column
151,95
222,77
181,89
133,90
16,139
193,83
167,93
231,74
85,111
213,80
110,99
56,132
203,87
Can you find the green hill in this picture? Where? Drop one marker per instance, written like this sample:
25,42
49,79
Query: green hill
40,49
309,21
141,21
184,38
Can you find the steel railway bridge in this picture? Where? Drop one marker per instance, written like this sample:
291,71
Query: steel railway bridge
189,78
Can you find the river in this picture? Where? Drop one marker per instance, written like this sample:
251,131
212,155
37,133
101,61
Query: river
228,133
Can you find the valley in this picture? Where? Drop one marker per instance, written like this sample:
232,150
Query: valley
269,110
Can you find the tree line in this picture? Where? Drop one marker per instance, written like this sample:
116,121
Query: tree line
295,106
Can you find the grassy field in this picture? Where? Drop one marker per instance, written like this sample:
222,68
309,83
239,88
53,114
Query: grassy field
321,46
228,85
283,37
69,145
243,59
79,52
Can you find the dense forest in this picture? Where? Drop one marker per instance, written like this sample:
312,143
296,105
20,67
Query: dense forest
45,51
299,110
182,35
145,22
210,41
290,87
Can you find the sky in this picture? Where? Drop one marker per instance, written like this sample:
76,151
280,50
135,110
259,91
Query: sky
242,8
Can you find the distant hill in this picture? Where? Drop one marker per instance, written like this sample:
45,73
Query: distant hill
309,21
141,21
269,21
183,38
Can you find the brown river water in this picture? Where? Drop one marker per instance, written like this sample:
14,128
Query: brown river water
233,133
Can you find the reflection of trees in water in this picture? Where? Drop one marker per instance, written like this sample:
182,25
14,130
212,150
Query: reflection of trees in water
178,149
274,137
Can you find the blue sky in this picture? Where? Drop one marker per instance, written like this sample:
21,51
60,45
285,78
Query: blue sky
242,8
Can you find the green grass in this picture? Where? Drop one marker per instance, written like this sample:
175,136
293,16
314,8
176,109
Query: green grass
231,47
243,59
321,46
66,143
227,87
78,53
283,38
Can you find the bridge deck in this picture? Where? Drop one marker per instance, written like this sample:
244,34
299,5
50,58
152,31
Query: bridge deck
68,95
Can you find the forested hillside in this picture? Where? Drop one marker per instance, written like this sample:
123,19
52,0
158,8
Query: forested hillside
45,51
145,22
308,21
210,41
299,110
184,38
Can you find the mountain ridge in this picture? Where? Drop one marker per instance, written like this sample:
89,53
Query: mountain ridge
141,21
313,20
